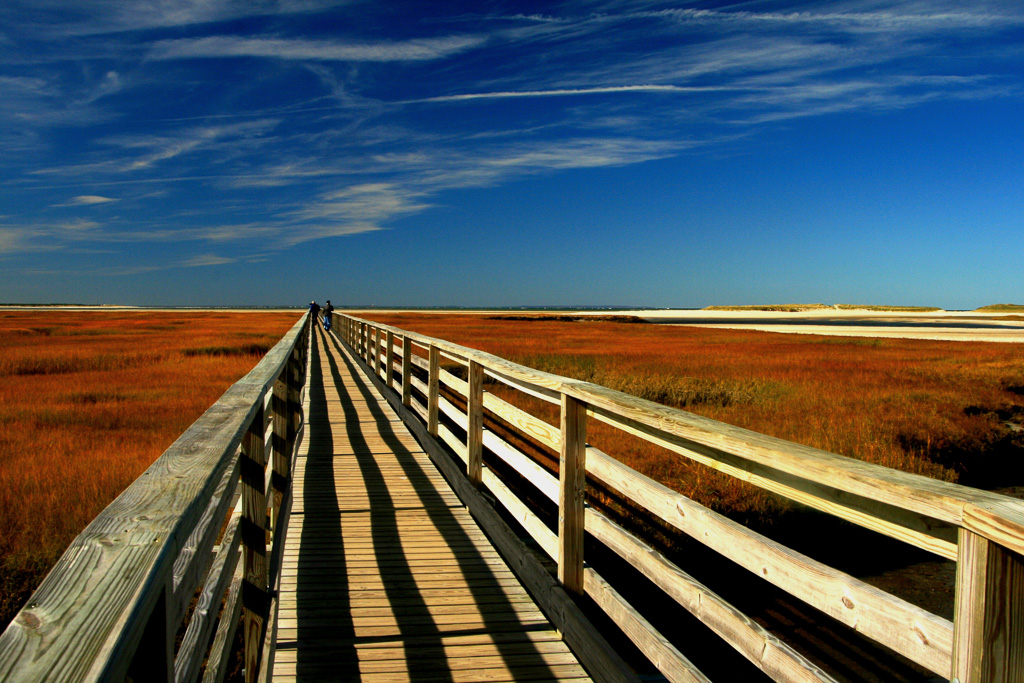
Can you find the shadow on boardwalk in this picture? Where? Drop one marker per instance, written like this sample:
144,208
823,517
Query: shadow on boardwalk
393,581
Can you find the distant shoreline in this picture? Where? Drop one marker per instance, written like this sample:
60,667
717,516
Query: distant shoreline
997,324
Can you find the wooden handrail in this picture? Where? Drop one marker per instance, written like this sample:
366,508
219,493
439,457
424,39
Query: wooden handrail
982,531
111,606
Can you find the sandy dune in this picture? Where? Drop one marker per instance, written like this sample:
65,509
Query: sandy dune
939,325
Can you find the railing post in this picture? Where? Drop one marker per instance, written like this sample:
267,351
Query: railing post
475,424
433,388
281,456
364,352
371,347
255,599
154,657
572,478
988,643
376,351
388,367
406,371
296,379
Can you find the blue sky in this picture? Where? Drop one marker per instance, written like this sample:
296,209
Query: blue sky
605,152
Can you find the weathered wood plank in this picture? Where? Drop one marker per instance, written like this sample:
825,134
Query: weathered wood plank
924,532
572,482
757,645
927,497
521,420
475,424
89,614
444,566
588,644
220,651
192,651
194,560
669,660
917,634
989,643
433,387
255,597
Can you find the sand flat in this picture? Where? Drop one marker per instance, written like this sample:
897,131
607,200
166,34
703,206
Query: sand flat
934,325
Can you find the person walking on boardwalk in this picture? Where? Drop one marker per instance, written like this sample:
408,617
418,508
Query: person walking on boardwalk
314,310
328,309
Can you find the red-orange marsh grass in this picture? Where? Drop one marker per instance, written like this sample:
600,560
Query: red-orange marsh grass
88,400
932,408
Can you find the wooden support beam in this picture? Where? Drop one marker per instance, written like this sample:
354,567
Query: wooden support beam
988,643
572,477
254,540
603,663
475,424
389,378
433,388
406,371
376,351
154,658
281,456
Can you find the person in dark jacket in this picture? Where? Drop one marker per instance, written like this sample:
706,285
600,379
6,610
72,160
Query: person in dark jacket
328,309
314,310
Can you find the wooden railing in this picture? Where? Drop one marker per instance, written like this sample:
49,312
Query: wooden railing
163,560
982,532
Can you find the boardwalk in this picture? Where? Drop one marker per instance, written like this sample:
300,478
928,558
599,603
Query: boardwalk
386,577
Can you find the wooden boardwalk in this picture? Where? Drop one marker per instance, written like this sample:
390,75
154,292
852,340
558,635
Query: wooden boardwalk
386,577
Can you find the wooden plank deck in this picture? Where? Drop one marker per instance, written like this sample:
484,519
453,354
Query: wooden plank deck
386,577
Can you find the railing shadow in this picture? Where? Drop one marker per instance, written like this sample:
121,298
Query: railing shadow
496,611
319,596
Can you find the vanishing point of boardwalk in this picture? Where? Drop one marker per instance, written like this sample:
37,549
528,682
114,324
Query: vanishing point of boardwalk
386,577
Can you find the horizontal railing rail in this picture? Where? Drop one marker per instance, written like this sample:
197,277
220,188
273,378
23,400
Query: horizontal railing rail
982,532
181,553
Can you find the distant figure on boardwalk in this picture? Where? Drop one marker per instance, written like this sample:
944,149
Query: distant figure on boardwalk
328,309
314,310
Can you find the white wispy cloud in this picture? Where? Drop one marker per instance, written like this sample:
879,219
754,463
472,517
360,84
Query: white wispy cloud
615,83
13,241
112,16
90,200
315,50
564,92
158,148
923,19
203,260
353,209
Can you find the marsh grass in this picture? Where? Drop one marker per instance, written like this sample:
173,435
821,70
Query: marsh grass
215,351
87,401
946,410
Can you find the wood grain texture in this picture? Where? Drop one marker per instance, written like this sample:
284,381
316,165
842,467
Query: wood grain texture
983,531
389,354
433,388
88,616
924,532
989,644
406,370
913,632
757,645
929,498
192,651
586,642
254,545
385,574
475,424
572,481
665,656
